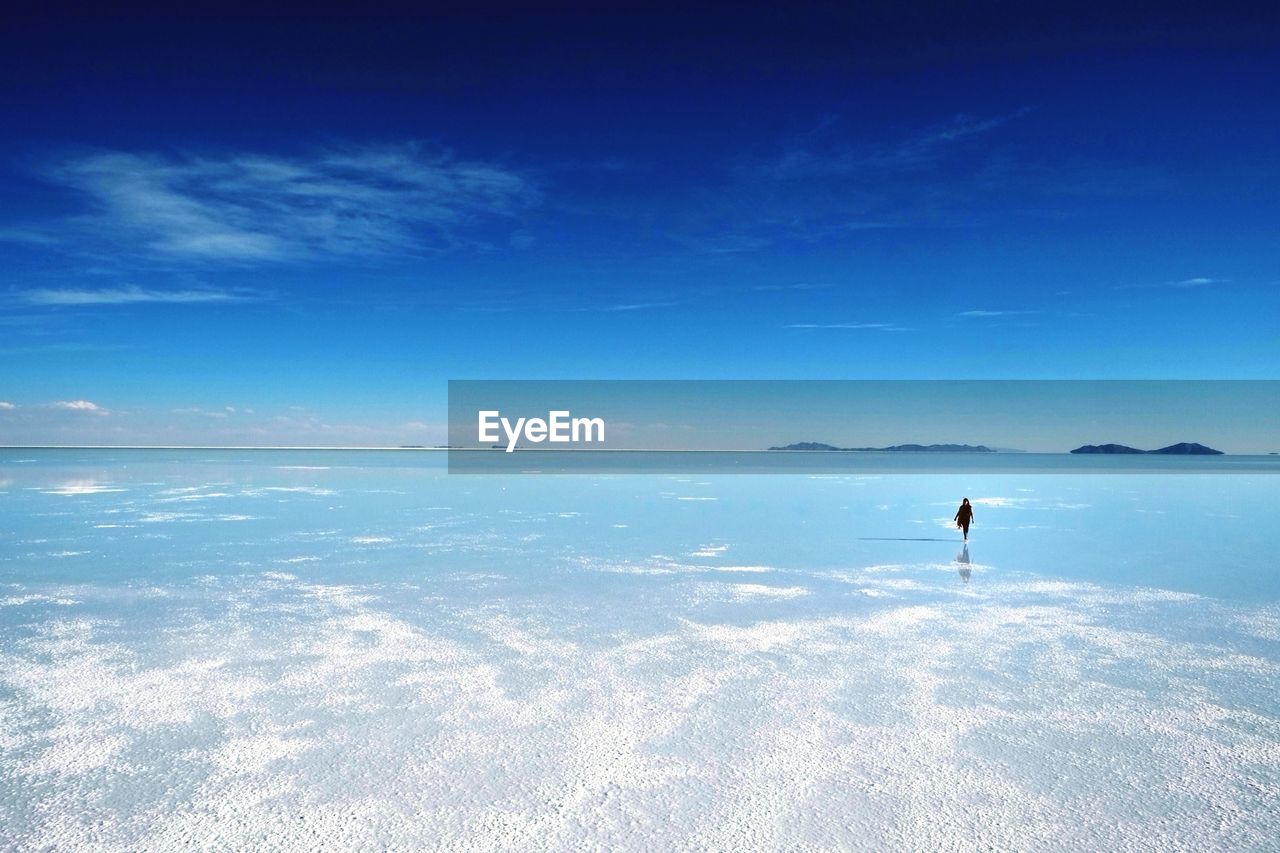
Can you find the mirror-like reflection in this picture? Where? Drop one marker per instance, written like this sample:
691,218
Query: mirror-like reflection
342,628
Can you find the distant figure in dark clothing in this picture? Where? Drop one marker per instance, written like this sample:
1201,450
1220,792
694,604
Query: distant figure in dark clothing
964,516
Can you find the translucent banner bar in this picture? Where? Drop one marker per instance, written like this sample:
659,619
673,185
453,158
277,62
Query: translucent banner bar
862,426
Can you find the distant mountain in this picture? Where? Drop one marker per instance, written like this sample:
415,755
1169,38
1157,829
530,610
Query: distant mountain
1188,448
897,448
1184,448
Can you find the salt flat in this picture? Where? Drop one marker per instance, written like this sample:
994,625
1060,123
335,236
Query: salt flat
300,649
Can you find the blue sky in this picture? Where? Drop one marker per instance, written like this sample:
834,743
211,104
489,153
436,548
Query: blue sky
293,229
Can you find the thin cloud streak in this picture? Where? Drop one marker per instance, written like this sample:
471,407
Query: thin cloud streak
64,348
1178,284
837,182
979,313
80,406
224,412
921,149
130,295
637,306
881,327
358,201
767,288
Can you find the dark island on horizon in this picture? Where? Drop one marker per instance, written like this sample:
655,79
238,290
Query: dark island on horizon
1183,448
896,448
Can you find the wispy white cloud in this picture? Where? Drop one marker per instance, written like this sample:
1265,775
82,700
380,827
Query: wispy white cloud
723,244
80,406
840,179
1180,284
63,347
5,406
245,208
224,412
979,313
883,327
637,306
768,288
31,236
129,295
922,148
84,422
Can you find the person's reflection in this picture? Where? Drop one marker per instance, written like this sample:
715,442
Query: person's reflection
963,559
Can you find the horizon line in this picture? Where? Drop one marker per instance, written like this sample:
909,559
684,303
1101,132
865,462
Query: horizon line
446,449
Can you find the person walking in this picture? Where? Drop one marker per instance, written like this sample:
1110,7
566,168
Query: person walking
964,517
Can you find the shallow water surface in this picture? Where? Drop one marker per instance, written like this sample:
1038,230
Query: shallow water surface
249,648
